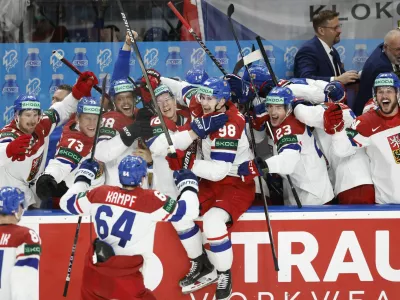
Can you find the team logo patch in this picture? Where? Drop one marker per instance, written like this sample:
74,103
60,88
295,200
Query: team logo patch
394,142
35,167
170,205
286,140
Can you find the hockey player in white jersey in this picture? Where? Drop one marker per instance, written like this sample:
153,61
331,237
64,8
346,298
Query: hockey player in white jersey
75,146
223,196
176,120
20,249
125,220
350,176
23,141
378,131
298,154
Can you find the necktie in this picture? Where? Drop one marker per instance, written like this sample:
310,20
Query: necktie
335,63
397,70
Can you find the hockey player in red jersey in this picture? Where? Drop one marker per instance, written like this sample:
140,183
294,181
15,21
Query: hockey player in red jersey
112,145
23,142
378,131
223,196
75,146
125,219
297,153
20,249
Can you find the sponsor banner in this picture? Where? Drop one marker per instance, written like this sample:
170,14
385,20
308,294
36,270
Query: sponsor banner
327,255
42,78
292,20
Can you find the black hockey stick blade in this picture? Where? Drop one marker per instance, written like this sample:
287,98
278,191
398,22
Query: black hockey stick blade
231,10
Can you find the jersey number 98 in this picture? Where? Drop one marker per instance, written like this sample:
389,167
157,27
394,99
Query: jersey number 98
125,221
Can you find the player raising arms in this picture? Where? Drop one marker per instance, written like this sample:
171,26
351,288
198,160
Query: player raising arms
223,196
378,131
125,220
298,154
24,140
20,249
74,147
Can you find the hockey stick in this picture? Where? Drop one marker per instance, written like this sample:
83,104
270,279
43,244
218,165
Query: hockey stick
240,63
275,80
231,9
73,68
191,31
78,226
171,148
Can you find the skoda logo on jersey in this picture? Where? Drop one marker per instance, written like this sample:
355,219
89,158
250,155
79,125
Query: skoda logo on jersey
341,50
245,51
197,59
55,62
10,59
8,114
151,58
33,86
289,55
104,59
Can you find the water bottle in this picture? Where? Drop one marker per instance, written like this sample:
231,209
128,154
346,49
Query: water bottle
10,90
222,58
101,77
33,64
56,80
80,60
360,56
174,66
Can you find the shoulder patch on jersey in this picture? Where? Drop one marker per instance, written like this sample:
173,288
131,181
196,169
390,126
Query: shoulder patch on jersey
351,133
157,130
170,205
226,144
81,194
190,93
69,154
286,140
8,134
51,113
107,131
32,249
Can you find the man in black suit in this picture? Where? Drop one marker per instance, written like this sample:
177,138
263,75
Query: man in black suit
317,58
385,58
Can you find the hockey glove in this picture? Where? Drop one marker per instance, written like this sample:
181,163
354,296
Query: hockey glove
265,88
335,92
84,85
140,128
87,171
241,91
252,168
203,126
333,119
144,114
155,80
260,117
176,163
186,180
17,148
46,186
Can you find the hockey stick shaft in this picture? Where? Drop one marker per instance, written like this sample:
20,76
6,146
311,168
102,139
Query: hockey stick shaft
96,135
72,257
267,217
196,37
266,59
275,80
73,68
171,148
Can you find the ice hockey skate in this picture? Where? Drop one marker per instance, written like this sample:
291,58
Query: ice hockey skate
201,274
224,285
